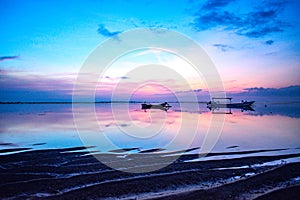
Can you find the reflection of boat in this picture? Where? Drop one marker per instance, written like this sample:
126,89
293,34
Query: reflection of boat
163,106
244,105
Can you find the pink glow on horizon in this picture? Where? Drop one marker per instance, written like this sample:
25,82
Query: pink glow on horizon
61,86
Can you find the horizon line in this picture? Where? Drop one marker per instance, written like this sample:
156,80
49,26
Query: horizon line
85,102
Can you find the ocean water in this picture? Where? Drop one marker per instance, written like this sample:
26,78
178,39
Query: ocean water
107,128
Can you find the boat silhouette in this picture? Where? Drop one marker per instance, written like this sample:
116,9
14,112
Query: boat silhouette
163,106
216,105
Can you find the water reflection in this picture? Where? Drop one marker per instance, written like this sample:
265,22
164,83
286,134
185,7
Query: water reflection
217,110
52,126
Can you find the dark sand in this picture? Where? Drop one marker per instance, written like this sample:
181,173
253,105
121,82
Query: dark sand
63,174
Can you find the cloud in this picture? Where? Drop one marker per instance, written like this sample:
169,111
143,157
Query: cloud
255,89
2,58
21,86
105,32
188,91
260,21
222,47
213,19
284,92
213,4
269,42
116,78
156,25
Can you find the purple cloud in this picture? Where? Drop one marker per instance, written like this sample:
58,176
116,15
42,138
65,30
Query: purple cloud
19,86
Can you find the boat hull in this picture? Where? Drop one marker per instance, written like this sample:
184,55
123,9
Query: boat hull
146,106
231,105
160,106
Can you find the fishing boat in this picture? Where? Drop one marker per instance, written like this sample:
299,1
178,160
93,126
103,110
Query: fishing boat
245,105
163,106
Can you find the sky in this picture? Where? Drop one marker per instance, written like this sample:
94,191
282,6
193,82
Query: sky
254,45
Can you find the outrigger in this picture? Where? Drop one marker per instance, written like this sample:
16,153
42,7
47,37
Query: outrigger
244,105
163,106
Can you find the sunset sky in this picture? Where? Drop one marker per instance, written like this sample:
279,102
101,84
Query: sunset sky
254,45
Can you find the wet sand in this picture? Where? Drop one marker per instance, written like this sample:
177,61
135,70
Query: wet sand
72,174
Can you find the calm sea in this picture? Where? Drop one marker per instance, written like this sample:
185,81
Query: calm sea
109,127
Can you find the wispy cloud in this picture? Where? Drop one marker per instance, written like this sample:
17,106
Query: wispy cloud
188,91
2,58
116,78
105,32
223,47
259,22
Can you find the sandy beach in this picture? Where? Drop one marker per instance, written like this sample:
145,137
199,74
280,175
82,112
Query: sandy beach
72,173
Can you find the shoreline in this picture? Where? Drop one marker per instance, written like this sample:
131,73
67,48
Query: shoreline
61,174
